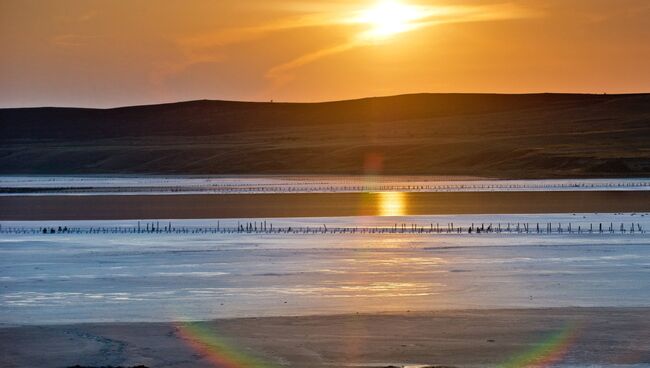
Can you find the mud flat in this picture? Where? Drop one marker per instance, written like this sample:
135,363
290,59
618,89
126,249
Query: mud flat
100,207
520,337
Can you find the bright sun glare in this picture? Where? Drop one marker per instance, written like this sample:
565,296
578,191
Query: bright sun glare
389,17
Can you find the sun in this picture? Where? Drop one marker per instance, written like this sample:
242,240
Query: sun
389,17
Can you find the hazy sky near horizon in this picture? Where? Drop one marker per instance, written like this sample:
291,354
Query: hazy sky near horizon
114,53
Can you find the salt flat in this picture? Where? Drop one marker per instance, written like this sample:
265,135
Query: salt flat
71,278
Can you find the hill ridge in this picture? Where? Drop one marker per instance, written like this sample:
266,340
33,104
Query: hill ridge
498,135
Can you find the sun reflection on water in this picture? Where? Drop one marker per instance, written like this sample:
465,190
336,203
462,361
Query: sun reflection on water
392,204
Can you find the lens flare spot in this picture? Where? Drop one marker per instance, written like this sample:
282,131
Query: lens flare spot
548,352
216,349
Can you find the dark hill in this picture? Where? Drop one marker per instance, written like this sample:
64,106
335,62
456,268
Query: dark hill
536,135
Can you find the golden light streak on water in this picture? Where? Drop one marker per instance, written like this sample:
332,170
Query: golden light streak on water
392,204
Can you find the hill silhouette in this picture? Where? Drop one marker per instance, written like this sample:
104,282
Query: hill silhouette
532,135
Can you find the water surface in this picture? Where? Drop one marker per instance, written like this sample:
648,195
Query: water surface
64,278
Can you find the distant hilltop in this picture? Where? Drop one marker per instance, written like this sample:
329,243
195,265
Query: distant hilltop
492,135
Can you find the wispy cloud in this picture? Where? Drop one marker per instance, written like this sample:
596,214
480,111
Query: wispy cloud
427,16
70,40
79,17
280,73
74,37
209,47
87,16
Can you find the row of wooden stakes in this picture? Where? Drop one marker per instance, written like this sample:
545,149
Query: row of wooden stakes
264,227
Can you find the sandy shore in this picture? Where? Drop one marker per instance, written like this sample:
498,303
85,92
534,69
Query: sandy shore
309,205
571,336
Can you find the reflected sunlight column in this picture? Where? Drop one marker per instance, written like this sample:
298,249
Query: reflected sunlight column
392,203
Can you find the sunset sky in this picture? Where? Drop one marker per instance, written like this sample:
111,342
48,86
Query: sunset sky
114,53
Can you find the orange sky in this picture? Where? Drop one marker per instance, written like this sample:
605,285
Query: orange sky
112,53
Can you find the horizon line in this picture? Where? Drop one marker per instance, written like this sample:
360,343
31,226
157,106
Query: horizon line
272,101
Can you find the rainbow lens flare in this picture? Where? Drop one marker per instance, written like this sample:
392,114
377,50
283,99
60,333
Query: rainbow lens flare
219,351
547,352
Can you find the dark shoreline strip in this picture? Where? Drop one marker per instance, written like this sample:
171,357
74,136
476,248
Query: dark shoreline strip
603,337
127,207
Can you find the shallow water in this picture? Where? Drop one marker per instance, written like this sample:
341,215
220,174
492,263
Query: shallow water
250,184
66,278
